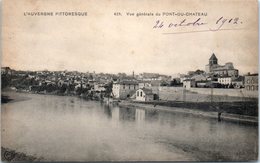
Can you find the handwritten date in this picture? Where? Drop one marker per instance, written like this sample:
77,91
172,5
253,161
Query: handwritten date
219,24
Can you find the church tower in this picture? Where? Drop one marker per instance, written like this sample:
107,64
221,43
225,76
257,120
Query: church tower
213,60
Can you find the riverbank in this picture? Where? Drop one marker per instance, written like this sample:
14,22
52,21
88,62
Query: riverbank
248,108
13,156
8,97
230,111
244,119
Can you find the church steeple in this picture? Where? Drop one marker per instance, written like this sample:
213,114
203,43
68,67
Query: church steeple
213,60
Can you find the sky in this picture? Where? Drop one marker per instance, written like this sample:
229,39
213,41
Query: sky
103,42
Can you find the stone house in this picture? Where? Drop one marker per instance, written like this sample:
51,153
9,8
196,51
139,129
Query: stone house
124,89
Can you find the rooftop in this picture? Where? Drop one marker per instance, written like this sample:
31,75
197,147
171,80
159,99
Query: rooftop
213,57
256,74
126,82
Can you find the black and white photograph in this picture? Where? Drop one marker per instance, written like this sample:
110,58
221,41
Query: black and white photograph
129,80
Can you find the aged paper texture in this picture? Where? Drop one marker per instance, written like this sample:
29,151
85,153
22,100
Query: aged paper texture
129,80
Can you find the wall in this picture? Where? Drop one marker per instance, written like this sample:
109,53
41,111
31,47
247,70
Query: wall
204,94
149,97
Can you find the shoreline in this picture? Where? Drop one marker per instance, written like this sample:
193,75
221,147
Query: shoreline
209,114
244,119
9,97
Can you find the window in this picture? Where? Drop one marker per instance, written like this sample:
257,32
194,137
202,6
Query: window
134,86
123,86
252,87
137,93
141,94
129,86
248,81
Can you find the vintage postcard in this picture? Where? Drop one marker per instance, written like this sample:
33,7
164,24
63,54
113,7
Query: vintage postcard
129,80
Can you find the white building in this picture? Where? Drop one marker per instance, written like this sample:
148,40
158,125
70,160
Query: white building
225,80
144,94
188,83
124,89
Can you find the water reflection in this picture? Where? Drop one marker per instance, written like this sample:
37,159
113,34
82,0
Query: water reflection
116,114
107,111
139,115
125,113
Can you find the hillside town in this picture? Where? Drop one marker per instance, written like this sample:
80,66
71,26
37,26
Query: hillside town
139,87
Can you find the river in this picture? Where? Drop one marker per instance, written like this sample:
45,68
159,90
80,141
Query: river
56,128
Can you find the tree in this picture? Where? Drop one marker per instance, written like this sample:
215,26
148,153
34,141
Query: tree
108,88
199,72
164,83
50,87
6,80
